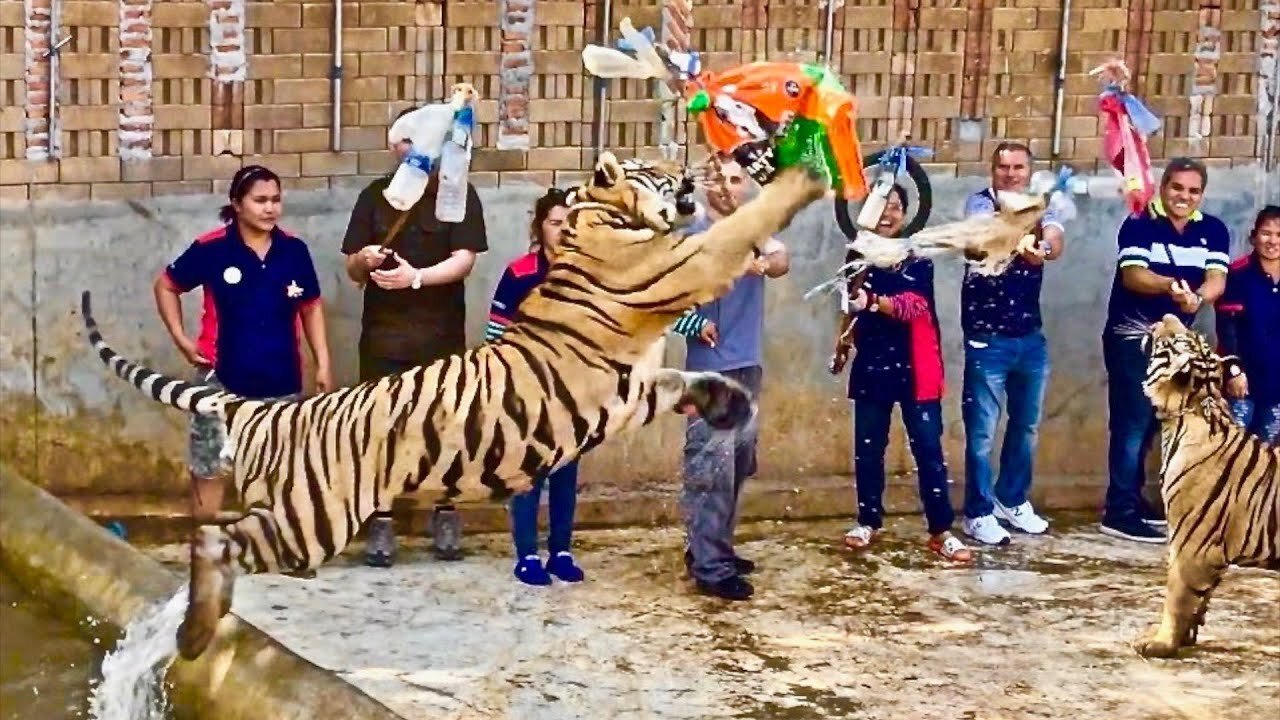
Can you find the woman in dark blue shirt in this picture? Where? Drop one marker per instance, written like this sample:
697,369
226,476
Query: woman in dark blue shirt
897,360
1249,328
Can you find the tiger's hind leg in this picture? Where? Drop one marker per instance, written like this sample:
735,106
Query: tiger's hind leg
1186,598
252,544
209,589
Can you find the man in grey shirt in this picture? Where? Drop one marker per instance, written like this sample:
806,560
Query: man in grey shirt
724,336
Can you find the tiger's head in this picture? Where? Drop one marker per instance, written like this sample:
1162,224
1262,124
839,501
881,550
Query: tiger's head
656,195
1183,371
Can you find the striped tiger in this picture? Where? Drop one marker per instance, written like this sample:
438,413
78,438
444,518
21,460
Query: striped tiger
1221,484
580,363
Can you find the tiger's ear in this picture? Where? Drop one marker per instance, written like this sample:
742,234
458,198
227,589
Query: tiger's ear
608,172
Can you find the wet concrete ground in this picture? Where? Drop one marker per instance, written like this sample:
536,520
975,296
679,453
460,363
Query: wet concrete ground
1041,629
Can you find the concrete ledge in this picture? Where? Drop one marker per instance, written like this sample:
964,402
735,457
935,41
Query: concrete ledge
153,520
81,570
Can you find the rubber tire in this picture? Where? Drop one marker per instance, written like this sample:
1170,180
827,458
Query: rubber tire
924,199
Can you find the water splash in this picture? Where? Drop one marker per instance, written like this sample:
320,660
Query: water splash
132,685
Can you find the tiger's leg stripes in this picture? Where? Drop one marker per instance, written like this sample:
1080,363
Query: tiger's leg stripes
1188,590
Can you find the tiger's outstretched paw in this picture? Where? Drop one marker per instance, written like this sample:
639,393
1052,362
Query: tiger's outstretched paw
722,402
209,592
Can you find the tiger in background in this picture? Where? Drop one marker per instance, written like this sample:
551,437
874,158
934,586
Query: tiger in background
581,363
1221,484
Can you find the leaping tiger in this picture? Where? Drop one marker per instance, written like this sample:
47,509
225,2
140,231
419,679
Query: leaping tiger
581,363
1221,484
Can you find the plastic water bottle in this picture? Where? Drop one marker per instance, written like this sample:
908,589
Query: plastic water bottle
409,182
455,166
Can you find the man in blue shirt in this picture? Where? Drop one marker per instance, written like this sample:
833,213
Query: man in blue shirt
1006,356
1172,259
1249,328
724,336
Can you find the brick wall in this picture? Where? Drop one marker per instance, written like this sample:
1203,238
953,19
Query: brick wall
171,96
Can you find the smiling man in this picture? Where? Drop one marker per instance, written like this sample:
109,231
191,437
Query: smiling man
1172,259
1006,362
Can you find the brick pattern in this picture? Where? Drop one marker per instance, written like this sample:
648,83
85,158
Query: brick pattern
205,86
137,117
36,125
516,20
1268,80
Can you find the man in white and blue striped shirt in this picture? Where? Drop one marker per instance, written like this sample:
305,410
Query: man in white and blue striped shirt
1172,259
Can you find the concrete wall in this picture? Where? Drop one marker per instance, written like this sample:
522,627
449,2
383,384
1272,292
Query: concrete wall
73,429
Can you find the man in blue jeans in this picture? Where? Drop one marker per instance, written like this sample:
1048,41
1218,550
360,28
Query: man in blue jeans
1006,357
724,336
1172,259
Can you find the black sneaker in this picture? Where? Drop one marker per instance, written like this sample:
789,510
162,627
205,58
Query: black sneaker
1132,528
1151,515
730,588
742,566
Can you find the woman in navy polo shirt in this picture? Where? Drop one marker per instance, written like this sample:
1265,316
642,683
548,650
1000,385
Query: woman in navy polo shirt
258,282
897,360
1249,328
520,278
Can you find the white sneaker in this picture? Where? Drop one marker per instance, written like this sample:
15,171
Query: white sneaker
1023,518
986,530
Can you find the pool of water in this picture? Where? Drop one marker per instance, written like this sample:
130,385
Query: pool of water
45,665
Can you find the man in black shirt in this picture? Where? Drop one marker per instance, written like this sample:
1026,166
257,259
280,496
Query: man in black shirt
414,310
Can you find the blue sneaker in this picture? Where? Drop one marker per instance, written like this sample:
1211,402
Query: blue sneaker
562,566
530,571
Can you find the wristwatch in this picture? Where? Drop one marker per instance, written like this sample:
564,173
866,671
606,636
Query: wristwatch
417,280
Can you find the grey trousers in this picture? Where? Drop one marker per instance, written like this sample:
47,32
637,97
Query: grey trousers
715,465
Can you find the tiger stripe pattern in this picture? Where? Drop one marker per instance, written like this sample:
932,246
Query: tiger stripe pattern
580,363
1221,484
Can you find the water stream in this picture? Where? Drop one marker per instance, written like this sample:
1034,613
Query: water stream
132,685
50,671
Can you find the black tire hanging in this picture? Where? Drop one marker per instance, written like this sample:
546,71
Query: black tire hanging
924,199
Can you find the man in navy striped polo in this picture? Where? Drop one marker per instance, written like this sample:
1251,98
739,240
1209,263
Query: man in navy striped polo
1172,259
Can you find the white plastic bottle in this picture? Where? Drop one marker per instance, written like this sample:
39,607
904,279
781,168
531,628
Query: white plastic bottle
410,181
455,166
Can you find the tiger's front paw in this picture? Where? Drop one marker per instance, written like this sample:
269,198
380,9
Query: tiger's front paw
722,402
1154,648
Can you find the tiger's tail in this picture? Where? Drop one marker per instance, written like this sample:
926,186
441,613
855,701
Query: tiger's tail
199,399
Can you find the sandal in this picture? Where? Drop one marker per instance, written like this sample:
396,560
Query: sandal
860,536
950,547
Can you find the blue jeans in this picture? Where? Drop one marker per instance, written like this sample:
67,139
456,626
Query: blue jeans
562,497
923,422
1261,420
997,368
1131,426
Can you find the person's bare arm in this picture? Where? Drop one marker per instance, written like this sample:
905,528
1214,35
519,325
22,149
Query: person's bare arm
454,269
169,305
1143,280
1055,242
313,327
1215,283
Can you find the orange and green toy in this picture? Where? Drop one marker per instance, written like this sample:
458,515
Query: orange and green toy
767,115
773,115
